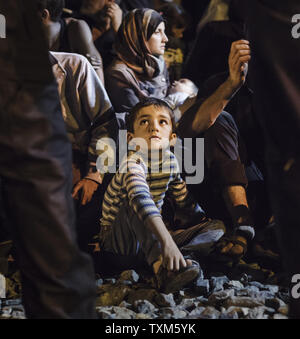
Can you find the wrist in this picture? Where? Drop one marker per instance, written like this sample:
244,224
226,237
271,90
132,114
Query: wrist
90,179
167,240
232,85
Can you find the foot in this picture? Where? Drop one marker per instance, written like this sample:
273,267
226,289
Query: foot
234,247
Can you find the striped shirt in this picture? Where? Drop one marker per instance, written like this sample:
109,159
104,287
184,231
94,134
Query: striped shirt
144,183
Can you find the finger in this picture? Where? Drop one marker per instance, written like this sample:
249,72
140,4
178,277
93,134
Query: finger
84,198
239,42
183,262
241,62
240,53
237,49
234,45
95,61
189,262
110,12
76,189
245,66
170,265
177,264
237,63
87,195
94,64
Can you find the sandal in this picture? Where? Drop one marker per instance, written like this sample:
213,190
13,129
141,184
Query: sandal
226,257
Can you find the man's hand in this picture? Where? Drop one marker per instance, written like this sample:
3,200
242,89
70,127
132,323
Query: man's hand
238,63
172,257
116,15
88,188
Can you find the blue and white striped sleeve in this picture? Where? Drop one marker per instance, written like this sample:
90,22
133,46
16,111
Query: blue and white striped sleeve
140,198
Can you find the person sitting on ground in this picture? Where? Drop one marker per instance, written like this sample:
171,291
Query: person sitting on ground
223,155
131,215
89,117
68,34
139,70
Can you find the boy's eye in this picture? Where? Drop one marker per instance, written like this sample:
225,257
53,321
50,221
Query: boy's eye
143,122
164,122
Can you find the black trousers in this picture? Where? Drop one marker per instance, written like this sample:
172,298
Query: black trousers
227,164
35,165
274,72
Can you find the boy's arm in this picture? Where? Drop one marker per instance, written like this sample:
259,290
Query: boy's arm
172,257
141,201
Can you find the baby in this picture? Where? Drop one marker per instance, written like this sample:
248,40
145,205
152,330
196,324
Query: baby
184,92
185,86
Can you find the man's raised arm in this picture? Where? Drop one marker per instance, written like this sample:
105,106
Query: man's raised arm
194,122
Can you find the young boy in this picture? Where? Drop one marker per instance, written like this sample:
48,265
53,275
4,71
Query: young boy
131,216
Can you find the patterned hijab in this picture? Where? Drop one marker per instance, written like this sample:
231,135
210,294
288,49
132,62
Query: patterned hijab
131,42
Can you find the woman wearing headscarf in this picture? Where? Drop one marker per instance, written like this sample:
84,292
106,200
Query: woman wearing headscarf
139,70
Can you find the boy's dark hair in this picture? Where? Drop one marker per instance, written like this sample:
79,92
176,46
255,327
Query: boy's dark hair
131,117
55,8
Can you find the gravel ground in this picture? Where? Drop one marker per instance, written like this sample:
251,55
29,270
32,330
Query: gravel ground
246,291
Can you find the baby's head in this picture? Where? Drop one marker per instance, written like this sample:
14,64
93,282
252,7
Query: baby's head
152,120
185,86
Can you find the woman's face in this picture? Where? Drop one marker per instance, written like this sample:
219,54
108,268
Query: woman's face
158,40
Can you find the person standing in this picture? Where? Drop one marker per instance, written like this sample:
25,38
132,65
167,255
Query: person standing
274,72
35,166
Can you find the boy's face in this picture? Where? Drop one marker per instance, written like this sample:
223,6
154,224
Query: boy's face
154,125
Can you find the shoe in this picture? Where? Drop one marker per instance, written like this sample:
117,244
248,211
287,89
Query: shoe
170,282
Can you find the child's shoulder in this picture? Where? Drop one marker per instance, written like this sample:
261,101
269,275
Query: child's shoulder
133,162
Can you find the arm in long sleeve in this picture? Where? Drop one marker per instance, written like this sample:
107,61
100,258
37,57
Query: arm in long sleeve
121,91
100,114
140,198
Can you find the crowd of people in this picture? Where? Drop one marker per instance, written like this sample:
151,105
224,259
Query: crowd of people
164,72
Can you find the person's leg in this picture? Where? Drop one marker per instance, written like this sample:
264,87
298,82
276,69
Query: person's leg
88,216
199,238
129,235
276,85
57,279
228,178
